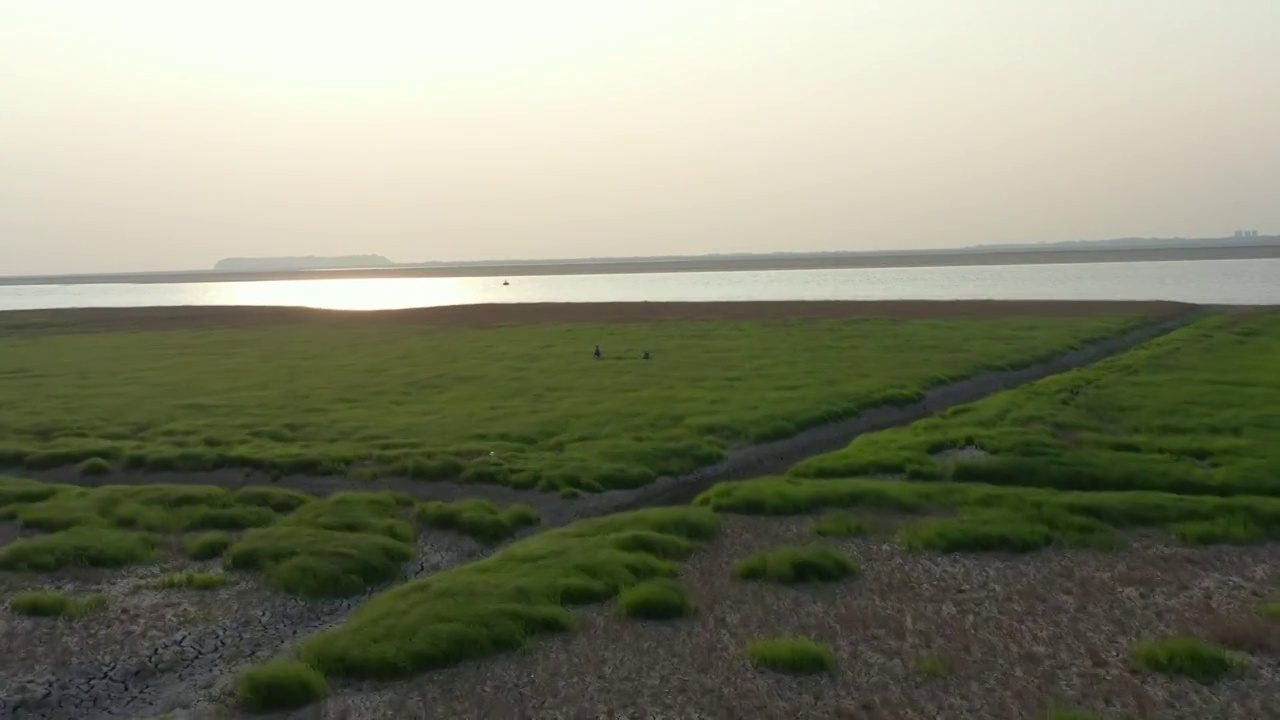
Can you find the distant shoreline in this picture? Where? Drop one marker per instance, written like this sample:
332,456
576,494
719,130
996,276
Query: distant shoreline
690,265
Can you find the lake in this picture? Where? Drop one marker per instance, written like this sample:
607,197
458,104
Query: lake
1215,282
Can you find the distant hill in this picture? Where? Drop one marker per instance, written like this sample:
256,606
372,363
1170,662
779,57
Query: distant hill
310,262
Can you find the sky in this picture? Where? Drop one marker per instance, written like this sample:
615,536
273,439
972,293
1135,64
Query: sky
140,135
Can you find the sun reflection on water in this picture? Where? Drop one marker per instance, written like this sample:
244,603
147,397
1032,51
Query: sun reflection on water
360,294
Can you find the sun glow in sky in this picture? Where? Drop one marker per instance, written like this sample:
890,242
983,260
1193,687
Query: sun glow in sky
146,135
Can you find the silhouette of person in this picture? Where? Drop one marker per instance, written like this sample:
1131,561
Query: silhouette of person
646,355
597,354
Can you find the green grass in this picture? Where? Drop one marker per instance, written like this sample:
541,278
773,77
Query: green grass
438,402
792,655
1270,610
193,580
479,519
933,666
335,547
330,547
1187,657
279,685
500,603
655,600
207,545
1194,412
1001,517
1056,713
56,604
78,547
94,466
149,508
800,564
839,524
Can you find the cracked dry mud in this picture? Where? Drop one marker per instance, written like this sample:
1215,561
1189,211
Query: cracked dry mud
1020,632
154,651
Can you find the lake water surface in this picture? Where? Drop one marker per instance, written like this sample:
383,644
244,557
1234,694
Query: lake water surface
1217,282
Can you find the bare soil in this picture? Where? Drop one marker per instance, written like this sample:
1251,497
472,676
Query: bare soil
1018,633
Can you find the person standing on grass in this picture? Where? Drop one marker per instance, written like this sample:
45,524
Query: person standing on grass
597,354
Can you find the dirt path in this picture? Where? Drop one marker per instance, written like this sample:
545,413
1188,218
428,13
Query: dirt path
215,652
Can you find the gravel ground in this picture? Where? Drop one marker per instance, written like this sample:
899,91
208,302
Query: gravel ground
155,651
1020,632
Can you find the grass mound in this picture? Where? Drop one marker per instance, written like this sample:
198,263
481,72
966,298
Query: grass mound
655,600
279,685
149,508
1187,657
315,563
56,604
193,580
841,525
206,546
479,519
499,603
799,564
793,655
335,547
81,546
1072,518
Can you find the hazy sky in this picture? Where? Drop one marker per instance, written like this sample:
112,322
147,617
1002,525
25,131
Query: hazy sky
152,135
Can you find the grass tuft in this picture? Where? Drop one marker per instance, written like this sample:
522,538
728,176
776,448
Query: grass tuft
841,525
1228,530
279,685
207,546
56,604
81,546
193,580
479,519
94,467
1270,610
798,564
655,600
793,655
933,666
1187,657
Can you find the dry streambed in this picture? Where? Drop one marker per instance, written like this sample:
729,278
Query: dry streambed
916,636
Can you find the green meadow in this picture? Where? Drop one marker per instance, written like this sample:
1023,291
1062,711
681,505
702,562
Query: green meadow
524,406
1195,412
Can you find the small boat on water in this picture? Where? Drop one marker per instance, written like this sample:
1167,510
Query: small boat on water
506,283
